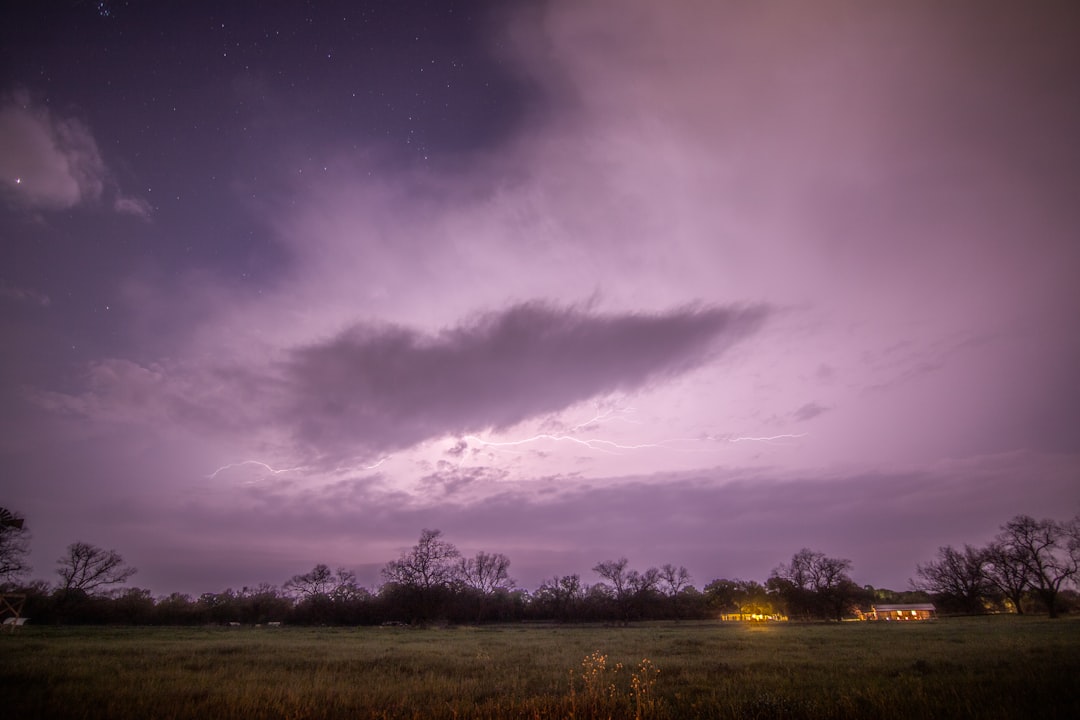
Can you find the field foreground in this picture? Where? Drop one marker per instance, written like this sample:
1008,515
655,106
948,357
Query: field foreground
993,667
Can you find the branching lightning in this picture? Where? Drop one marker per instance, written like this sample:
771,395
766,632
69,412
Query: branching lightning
609,446
618,413
573,435
603,445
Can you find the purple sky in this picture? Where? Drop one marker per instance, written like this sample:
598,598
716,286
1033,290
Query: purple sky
688,282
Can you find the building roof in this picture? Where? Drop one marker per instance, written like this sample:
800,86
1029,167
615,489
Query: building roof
906,606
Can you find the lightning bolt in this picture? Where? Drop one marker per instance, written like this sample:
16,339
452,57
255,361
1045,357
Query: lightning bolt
612,447
608,446
769,438
259,463
380,462
277,471
617,413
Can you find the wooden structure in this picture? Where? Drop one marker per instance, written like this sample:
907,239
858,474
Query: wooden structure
752,617
12,603
905,612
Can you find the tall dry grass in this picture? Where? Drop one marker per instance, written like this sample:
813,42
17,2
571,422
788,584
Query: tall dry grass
1000,667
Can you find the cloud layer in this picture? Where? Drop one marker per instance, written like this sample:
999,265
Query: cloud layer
375,389
388,388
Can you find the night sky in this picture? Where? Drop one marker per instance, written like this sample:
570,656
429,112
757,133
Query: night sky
691,282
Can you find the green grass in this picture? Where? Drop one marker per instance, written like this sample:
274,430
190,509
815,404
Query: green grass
993,667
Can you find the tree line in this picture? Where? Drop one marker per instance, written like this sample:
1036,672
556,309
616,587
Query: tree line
1033,565
1030,565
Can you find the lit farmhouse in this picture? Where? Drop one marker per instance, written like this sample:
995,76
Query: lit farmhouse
905,612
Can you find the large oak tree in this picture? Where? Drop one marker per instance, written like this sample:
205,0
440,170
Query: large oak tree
1048,551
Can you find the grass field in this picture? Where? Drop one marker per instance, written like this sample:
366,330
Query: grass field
992,667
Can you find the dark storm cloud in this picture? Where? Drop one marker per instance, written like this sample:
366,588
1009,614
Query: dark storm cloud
385,388
376,389
809,411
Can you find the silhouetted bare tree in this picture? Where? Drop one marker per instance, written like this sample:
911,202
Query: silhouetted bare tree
560,598
320,581
88,568
1048,550
1007,572
815,584
959,577
675,580
429,564
486,572
629,589
422,577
